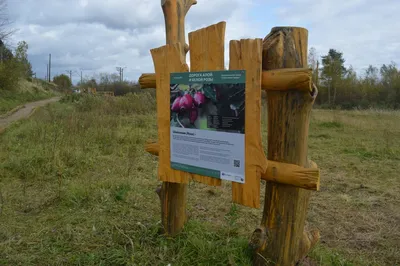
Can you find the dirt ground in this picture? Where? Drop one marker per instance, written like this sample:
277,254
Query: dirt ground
24,112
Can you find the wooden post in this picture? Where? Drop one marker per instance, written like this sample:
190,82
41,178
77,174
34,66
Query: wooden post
173,196
280,239
247,54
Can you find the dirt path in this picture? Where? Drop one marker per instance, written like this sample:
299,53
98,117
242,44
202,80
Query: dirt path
24,112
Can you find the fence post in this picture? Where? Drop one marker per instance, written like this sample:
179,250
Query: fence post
281,238
173,196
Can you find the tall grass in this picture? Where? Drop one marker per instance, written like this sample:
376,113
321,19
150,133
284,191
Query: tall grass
77,188
78,173
24,92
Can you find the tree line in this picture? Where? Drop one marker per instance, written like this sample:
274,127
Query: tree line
14,65
344,88
110,82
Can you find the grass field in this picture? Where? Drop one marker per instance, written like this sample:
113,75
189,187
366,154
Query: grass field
25,91
77,188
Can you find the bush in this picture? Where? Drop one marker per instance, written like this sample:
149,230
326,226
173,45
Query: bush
9,75
62,81
132,103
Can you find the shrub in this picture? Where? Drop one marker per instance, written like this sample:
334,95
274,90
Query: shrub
62,81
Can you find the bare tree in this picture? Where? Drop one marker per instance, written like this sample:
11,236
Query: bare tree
5,23
313,63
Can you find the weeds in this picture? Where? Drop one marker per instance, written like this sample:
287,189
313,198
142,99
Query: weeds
27,93
333,124
78,188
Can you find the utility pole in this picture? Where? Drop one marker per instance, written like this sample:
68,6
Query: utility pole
317,75
49,68
47,72
70,75
121,73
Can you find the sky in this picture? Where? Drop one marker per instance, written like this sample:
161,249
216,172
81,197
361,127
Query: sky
96,36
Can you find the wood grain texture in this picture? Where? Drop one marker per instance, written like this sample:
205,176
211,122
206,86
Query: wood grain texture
277,172
174,15
280,79
207,48
167,59
284,79
147,81
247,55
173,194
207,53
285,206
292,174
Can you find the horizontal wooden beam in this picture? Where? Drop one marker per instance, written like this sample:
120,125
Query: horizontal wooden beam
148,81
283,173
287,78
292,174
277,80
152,147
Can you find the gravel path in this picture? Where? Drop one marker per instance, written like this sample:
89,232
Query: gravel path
24,112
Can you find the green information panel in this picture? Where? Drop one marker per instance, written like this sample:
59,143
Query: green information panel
208,123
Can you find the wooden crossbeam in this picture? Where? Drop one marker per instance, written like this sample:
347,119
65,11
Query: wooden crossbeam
272,80
283,173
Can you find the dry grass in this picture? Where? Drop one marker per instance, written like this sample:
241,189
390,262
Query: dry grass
78,188
25,91
358,207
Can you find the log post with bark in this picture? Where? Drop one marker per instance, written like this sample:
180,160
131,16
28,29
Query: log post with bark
281,239
173,196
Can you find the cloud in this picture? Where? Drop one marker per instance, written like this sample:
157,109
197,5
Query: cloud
366,31
98,35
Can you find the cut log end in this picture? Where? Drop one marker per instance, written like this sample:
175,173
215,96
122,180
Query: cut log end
152,148
288,28
258,239
147,81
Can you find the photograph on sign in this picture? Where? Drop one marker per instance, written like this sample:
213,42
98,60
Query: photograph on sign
208,123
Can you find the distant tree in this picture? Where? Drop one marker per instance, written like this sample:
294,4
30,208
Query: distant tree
21,56
88,83
389,74
9,69
391,84
5,53
371,75
313,63
333,71
63,82
5,23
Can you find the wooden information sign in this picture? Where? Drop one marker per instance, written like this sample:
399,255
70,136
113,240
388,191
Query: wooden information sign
276,64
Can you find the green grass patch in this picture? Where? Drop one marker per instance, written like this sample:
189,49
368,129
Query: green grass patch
326,256
31,92
78,188
321,136
362,153
331,124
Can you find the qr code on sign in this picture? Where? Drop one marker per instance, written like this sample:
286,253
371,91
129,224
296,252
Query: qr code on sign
236,163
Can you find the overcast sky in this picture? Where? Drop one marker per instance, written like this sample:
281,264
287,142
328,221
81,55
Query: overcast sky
99,35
